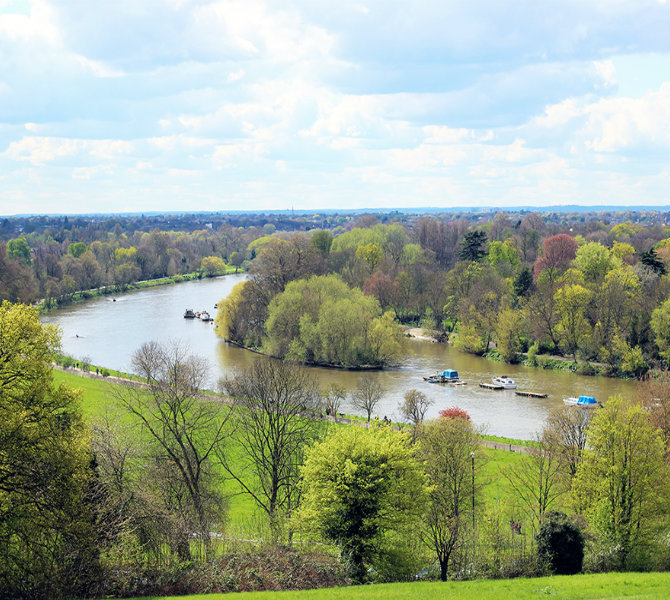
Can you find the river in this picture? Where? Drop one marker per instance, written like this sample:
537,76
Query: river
107,330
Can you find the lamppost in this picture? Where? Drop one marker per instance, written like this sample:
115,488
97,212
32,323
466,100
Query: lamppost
472,458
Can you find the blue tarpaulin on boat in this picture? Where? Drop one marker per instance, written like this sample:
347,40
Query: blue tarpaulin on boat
586,400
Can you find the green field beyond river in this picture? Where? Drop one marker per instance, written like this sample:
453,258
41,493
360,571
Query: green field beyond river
107,330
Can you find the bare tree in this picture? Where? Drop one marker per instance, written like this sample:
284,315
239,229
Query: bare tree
333,398
414,408
275,405
654,393
565,431
187,431
367,396
535,479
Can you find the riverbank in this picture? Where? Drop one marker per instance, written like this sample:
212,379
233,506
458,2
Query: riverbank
46,306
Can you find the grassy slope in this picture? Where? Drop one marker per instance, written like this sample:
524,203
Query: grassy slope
601,586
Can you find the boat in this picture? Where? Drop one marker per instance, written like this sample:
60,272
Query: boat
446,376
506,382
204,316
189,314
582,402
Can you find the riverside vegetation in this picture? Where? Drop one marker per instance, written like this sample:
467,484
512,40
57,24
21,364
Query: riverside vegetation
592,288
156,488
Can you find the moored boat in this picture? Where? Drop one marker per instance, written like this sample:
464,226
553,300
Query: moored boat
204,316
506,382
189,314
582,402
446,376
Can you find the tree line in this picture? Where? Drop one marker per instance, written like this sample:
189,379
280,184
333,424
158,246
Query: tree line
510,289
136,501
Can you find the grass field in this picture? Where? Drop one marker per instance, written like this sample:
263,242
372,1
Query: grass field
97,396
617,586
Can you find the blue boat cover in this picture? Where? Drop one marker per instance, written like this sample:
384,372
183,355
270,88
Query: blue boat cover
586,400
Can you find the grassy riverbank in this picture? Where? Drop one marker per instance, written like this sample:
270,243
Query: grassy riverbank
619,586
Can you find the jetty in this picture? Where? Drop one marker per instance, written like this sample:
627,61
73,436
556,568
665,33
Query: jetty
532,394
491,386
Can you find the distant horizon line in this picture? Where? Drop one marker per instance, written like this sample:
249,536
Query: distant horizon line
352,211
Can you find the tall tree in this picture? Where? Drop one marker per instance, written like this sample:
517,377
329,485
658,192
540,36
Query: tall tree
622,482
48,540
448,447
275,404
361,488
367,395
187,431
473,246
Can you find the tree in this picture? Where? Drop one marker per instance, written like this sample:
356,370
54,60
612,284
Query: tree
660,325
560,544
18,249
565,431
509,330
187,431
535,479
654,393
76,249
371,254
333,398
236,259
622,482
212,266
573,326
367,396
362,489
48,539
523,282
322,240
650,260
472,246
275,405
448,448
558,251
595,261
414,407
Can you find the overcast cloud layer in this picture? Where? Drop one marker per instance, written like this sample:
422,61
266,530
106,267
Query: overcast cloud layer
152,105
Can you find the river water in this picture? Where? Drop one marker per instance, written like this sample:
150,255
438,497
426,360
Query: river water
108,330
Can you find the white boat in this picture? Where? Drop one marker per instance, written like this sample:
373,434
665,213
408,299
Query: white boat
204,316
582,402
506,382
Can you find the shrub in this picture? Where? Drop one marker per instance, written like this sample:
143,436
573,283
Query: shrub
586,368
560,543
454,412
67,362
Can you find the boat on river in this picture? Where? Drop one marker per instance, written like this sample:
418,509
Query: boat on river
582,402
204,316
446,376
189,314
507,383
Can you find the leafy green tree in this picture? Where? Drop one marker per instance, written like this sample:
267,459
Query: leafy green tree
361,488
573,326
323,240
660,325
504,257
523,282
473,246
76,249
323,320
621,484
48,538
508,332
18,249
212,266
448,447
595,261
371,254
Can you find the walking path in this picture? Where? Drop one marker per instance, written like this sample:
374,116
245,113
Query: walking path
228,400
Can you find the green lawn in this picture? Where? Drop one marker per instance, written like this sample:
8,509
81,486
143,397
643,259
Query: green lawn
576,587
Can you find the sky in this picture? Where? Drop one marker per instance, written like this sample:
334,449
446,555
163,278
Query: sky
206,105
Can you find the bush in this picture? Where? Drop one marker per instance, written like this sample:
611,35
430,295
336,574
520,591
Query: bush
586,368
454,412
560,543
531,361
67,362
104,372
